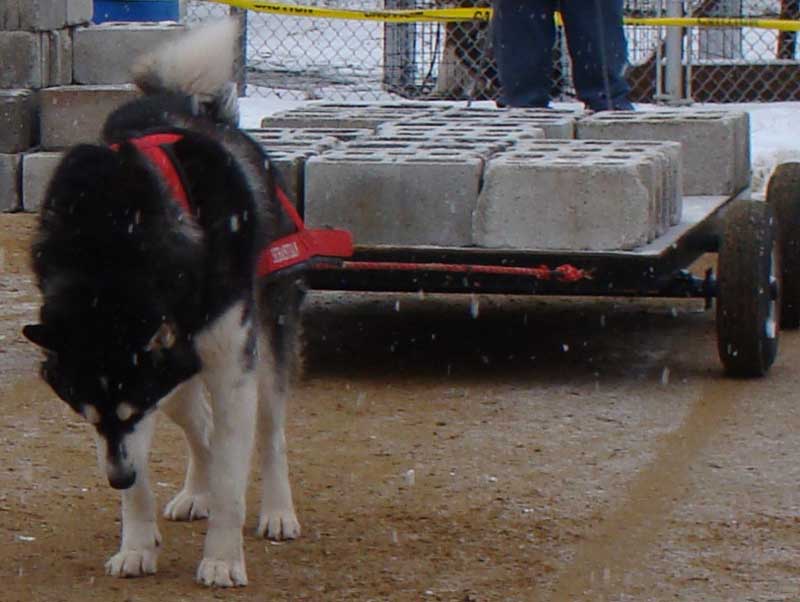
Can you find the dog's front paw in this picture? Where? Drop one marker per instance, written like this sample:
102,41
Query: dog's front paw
138,555
278,525
187,506
132,563
221,573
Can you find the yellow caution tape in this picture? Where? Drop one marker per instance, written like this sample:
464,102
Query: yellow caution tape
485,14
407,16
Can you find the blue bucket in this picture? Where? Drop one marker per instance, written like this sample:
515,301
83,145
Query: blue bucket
135,10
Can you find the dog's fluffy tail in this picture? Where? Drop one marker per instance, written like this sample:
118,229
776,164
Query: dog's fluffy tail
198,64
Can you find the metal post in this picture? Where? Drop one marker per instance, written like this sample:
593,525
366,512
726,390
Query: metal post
399,56
673,68
240,68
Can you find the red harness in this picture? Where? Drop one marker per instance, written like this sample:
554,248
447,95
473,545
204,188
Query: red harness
303,246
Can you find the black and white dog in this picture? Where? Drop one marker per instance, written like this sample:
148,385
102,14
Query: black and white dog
146,260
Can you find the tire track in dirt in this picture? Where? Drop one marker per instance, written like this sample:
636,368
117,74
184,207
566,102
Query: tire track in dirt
603,563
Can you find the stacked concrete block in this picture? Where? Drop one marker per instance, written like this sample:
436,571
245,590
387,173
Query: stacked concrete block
43,15
363,116
289,149
38,168
10,176
441,129
17,120
75,114
574,195
395,192
716,144
104,53
556,123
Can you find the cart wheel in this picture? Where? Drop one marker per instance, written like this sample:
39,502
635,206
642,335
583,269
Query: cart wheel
747,290
783,195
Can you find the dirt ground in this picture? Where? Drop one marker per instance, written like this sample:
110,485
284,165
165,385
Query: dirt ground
562,450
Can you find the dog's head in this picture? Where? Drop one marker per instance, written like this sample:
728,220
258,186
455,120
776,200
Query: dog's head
118,284
113,369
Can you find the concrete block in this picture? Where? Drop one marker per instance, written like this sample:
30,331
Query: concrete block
9,181
79,11
21,53
9,15
43,15
716,144
37,171
74,114
557,123
56,57
17,120
103,54
395,193
441,129
308,135
348,116
567,195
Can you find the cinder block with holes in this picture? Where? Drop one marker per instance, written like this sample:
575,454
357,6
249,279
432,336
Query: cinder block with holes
37,171
440,129
556,123
104,53
573,195
348,116
396,192
716,144
75,114
17,120
43,15
10,181
289,149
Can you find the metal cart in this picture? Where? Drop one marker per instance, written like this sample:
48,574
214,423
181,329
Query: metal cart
755,284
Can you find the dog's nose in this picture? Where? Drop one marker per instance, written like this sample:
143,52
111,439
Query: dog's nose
123,480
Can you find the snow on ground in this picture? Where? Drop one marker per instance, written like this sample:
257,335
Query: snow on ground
774,129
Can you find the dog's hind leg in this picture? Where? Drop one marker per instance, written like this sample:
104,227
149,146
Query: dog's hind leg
188,408
227,349
277,355
138,553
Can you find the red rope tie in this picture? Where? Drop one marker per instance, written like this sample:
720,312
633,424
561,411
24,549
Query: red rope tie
569,273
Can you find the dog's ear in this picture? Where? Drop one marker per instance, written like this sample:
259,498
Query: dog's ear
41,335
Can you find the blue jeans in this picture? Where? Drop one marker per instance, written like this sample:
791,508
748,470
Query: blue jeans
523,34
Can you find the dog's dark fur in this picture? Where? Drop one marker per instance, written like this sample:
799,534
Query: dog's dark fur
133,286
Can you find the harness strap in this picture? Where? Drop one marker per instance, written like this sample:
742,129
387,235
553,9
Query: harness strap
151,147
295,249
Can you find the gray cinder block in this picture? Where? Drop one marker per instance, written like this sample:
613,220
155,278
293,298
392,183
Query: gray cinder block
21,53
74,114
556,123
43,15
35,59
716,144
103,54
56,57
37,170
395,193
572,195
348,116
9,181
17,120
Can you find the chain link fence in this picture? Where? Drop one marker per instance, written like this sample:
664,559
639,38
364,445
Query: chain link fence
348,60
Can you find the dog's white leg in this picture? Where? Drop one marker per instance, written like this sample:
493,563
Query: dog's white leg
277,519
228,355
188,408
138,554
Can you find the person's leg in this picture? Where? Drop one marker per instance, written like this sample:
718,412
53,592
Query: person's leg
523,34
599,52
